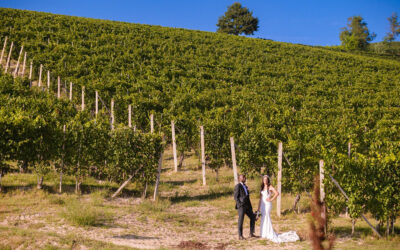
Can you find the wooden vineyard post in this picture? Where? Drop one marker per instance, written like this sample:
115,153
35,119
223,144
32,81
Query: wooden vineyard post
48,80
30,71
174,146
203,155
40,75
96,104
158,174
24,65
9,57
62,161
58,87
19,58
70,91
235,174
130,116
112,114
279,199
322,193
2,51
151,123
349,155
83,98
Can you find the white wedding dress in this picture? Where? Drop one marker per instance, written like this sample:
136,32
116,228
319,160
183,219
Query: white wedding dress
266,230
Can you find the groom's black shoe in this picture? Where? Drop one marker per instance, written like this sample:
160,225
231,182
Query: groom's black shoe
241,238
252,235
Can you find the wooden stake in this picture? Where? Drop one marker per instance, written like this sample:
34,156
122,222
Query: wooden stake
158,175
23,65
174,146
235,174
321,180
40,75
48,80
130,116
347,208
112,114
97,103
203,155
151,123
70,91
2,51
279,199
58,87
9,57
30,71
19,58
83,98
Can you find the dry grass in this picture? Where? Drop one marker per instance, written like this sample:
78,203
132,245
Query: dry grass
186,211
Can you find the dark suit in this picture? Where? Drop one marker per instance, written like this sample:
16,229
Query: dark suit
243,205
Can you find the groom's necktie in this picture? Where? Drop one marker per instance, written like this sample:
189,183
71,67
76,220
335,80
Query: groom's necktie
245,189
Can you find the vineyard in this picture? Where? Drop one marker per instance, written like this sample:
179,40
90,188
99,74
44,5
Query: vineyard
88,99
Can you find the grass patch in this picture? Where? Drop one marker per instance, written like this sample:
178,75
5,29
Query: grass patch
85,214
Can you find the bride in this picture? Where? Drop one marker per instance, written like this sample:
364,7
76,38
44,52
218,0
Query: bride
264,207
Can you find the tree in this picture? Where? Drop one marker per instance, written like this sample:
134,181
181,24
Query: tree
356,35
394,28
237,20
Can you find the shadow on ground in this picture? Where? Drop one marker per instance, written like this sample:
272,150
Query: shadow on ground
135,237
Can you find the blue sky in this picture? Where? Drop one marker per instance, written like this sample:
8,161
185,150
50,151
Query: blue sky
309,22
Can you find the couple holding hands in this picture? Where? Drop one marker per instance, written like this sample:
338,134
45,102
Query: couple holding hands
267,195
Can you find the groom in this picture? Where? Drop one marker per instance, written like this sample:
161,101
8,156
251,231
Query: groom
243,205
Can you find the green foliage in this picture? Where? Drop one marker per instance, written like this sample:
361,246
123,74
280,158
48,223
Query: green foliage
237,20
394,28
356,35
260,92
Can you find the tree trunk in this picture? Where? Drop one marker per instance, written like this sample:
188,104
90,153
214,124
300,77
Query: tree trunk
353,225
391,222
60,185
216,175
387,227
144,191
23,166
40,182
296,201
181,157
78,183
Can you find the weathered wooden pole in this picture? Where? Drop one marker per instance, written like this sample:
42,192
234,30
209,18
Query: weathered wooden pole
151,123
174,146
9,57
322,193
70,91
97,103
130,116
203,155
321,180
279,199
83,98
349,155
58,87
19,58
2,51
112,114
24,65
30,71
158,175
40,75
62,161
48,80
235,173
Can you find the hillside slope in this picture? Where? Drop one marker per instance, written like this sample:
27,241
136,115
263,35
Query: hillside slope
260,92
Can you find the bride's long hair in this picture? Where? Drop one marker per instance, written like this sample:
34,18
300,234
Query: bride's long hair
268,183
